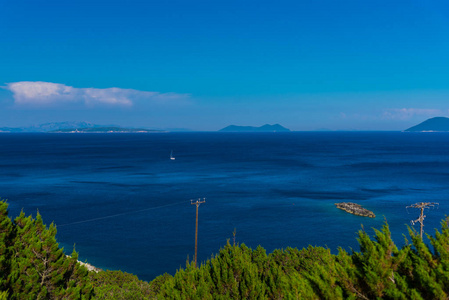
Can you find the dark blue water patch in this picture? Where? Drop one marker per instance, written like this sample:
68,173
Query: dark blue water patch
10,166
109,168
399,164
11,175
113,184
143,174
382,191
34,195
436,176
330,195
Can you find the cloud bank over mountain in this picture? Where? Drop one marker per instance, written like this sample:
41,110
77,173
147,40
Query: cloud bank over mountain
408,113
35,94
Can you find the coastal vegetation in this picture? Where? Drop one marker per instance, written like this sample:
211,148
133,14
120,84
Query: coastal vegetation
33,266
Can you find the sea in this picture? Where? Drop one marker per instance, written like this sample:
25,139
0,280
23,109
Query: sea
123,204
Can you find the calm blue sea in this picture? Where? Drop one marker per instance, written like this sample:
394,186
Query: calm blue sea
126,205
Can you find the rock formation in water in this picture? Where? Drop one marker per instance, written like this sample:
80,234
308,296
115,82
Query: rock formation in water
355,209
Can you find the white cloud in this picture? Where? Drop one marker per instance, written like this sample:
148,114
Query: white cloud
44,94
408,113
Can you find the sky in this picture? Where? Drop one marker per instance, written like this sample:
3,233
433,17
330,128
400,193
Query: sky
204,65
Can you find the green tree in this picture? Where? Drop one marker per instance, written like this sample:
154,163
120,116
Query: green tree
40,269
119,285
6,238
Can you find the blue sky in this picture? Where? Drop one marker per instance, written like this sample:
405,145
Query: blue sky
203,65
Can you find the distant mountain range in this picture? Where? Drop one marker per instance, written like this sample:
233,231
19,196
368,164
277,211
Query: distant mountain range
264,128
104,130
69,127
79,127
433,124
47,127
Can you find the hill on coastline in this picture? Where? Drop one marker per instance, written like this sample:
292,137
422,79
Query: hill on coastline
47,127
72,127
264,128
432,124
110,129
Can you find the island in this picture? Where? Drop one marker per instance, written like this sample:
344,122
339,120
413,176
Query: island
431,125
76,127
264,128
355,209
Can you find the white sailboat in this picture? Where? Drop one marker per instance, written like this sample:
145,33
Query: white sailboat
171,155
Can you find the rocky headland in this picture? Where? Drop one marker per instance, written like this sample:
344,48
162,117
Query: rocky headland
437,124
355,209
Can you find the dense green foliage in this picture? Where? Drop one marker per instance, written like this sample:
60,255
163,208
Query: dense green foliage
119,285
379,270
32,266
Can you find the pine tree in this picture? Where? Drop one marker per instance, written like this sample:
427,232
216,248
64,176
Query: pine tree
377,264
40,269
6,237
6,240
425,270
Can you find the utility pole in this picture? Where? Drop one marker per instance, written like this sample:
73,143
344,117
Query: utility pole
420,220
197,203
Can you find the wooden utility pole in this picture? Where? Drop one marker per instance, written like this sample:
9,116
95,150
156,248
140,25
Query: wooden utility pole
420,220
197,203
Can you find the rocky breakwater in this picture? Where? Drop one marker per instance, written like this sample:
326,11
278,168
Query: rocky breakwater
355,209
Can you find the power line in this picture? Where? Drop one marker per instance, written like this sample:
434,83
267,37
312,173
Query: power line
420,220
197,203
121,214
